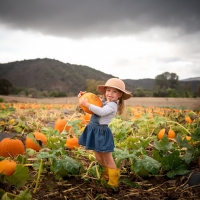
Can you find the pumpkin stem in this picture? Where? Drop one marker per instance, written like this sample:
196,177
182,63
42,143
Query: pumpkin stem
180,126
69,119
38,127
80,110
167,130
38,178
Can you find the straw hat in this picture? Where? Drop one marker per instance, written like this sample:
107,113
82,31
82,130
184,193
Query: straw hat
115,83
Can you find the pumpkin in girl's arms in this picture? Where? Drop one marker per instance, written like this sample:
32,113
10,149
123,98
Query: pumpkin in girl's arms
93,99
7,167
11,147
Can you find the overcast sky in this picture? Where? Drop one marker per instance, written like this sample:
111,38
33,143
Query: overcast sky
130,39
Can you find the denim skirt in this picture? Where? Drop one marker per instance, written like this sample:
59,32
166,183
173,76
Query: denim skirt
97,137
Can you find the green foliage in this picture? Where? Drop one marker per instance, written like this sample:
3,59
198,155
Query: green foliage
138,150
166,80
5,86
57,94
164,152
91,85
20,177
25,195
65,166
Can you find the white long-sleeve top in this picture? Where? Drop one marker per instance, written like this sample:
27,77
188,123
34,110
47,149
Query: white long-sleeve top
106,113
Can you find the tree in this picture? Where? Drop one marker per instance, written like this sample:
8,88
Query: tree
166,80
161,81
5,86
173,81
91,85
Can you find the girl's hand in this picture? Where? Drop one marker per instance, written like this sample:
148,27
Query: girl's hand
81,93
84,102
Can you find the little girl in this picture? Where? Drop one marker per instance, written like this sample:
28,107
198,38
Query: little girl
97,136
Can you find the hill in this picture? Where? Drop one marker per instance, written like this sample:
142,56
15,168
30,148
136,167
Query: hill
147,84
51,75
192,79
192,84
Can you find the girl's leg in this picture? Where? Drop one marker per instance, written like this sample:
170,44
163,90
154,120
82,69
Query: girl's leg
103,162
99,158
108,160
105,159
112,171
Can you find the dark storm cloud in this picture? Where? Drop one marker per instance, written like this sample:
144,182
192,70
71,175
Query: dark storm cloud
80,18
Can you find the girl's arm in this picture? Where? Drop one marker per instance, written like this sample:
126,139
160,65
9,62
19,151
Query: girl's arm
105,110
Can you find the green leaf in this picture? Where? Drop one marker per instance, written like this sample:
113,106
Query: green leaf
120,155
93,170
2,192
196,134
182,143
148,163
65,166
163,144
151,165
181,170
46,155
70,165
5,196
171,161
25,195
187,157
174,164
22,159
20,176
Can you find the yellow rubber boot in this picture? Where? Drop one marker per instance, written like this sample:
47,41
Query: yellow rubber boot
114,175
105,175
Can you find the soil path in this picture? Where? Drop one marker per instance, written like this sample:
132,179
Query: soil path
187,103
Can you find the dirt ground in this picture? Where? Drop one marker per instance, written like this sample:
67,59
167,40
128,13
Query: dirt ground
188,103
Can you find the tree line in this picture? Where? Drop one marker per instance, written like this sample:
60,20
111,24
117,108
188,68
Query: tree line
166,85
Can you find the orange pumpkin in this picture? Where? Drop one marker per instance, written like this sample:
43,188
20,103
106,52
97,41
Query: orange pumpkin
11,147
86,117
7,167
38,136
188,120
188,138
93,99
168,131
60,124
72,142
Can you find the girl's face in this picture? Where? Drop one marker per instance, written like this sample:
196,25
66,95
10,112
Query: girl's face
112,94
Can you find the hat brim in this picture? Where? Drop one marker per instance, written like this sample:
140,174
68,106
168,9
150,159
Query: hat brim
126,94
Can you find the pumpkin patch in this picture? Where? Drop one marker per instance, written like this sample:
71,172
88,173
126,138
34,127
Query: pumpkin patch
141,151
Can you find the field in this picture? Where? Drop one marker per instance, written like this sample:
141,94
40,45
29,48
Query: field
190,103
153,166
